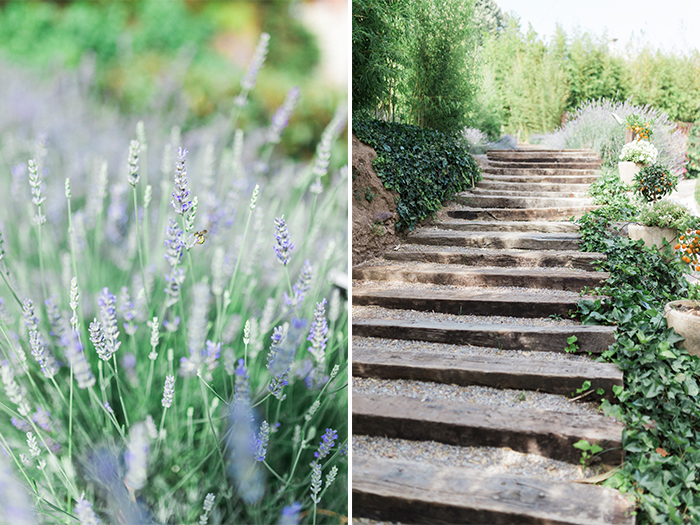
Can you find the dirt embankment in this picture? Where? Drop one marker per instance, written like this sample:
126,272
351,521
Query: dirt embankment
373,207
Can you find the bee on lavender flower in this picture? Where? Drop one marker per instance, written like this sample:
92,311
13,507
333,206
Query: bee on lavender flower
200,236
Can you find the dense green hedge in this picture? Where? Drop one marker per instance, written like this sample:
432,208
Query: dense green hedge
425,167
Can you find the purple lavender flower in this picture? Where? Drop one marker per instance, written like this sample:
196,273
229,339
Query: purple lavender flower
76,357
97,337
290,514
181,196
137,457
284,246
242,384
15,505
128,311
281,117
83,508
302,286
117,218
211,359
40,350
174,282
243,469
42,418
326,444
173,243
58,324
318,333
256,63
323,150
168,391
261,441
171,326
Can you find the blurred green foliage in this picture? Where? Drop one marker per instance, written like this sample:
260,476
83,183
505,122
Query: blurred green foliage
534,83
145,51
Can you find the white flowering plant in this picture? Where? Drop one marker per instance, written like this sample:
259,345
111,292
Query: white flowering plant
640,151
172,346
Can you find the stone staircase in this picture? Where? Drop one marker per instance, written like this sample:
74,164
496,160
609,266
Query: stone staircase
462,389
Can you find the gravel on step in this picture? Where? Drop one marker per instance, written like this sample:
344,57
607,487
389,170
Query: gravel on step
462,350
482,395
422,287
491,460
456,267
378,312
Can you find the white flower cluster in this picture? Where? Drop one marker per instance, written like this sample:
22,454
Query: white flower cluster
641,151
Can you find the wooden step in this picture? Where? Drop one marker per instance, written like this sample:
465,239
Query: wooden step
507,240
504,201
503,258
559,164
569,280
513,214
542,432
381,361
550,338
530,186
471,301
416,492
539,175
509,226
549,193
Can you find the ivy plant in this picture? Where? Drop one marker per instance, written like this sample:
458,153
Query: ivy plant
425,167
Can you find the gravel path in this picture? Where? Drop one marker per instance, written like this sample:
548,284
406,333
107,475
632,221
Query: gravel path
399,265
492,460
463,350
378,312
422,287
482,395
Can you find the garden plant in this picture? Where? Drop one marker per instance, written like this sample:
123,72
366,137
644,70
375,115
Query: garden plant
654,182
172,349
659,400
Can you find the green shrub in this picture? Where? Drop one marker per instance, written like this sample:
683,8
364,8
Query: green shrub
425,167
665,214
692,165
654,182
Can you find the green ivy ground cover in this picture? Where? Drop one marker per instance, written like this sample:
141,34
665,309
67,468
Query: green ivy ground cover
425,167
659,400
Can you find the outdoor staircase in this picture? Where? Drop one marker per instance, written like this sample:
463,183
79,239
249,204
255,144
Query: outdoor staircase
453,328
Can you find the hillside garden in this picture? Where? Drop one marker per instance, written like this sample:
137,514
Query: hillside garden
498,81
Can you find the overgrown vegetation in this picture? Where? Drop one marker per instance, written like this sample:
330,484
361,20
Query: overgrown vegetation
396,45
659,400
424,166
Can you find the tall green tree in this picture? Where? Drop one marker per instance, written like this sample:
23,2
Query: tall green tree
378,56
442,79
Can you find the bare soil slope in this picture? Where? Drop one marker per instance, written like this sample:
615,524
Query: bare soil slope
373,207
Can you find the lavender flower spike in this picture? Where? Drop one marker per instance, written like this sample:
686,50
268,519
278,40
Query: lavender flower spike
107,305
134,150
318,333
256,63
326,444
83,508
290,514
284,246
137,457
281,117
181,196
168,391
208,505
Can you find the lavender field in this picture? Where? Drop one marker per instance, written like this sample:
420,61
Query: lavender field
173,307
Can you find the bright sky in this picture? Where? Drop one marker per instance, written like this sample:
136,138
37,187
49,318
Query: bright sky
668,24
